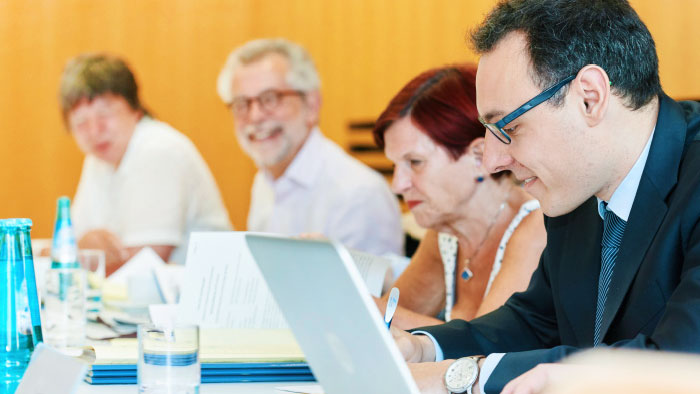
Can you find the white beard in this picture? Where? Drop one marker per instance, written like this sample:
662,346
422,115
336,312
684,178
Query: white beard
265,157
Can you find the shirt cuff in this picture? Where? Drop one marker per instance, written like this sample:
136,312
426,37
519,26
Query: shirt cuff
487,368
439,356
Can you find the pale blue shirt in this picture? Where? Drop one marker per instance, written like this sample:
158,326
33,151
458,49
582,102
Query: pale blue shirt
623,197
324,190
620,203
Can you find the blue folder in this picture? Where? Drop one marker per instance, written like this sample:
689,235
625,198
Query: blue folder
211,366
210,379
211,373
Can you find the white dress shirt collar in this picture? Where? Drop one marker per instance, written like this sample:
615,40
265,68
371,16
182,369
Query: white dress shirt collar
623,197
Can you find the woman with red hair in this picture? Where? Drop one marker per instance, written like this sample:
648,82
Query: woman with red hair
485,234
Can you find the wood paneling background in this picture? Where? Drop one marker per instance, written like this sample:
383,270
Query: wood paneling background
365,51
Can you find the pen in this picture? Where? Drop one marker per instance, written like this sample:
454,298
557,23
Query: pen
391,306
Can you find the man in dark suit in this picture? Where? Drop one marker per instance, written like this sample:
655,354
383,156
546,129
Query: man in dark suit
615,164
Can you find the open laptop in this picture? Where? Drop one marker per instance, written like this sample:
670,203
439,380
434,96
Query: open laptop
327,306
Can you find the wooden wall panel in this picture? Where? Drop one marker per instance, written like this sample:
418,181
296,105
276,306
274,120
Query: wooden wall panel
676,31
365,51
176,49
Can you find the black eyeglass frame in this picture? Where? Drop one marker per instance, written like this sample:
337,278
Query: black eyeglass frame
279,95
497,128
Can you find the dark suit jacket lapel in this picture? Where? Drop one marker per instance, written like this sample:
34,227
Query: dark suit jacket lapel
579,278
649,207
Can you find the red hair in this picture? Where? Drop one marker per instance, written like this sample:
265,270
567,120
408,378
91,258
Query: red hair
442,104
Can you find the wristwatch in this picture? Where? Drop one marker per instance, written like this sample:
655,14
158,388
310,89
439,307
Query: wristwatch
462,374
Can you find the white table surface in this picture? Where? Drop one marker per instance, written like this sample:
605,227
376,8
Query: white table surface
207,388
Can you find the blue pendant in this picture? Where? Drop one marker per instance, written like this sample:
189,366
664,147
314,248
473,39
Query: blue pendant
466,274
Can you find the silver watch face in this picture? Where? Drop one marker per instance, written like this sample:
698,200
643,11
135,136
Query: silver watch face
461,375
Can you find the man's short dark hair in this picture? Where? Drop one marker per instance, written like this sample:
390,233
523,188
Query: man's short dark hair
563,36
90,75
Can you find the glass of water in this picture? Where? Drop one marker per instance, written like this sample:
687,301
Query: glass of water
63,318
93,262
168,359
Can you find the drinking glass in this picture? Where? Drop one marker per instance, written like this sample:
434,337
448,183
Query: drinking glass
64,307
93,262
168,359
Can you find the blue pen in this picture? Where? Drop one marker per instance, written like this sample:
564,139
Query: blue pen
391,306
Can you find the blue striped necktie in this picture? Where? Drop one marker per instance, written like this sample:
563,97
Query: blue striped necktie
613,228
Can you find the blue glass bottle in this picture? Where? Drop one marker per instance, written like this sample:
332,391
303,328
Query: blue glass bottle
64,249
25,241
16,329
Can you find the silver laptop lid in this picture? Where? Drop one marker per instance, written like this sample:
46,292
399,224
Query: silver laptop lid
332,316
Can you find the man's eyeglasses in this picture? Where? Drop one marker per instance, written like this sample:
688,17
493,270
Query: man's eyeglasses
497,128
268,101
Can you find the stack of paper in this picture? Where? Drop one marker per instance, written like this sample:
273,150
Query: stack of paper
224,286
226,356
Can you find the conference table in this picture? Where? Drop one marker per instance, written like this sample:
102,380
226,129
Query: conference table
207,388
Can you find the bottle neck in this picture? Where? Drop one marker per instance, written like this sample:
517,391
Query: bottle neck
64,249
25,241
9,245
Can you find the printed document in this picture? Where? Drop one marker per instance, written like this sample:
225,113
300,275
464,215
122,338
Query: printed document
225,289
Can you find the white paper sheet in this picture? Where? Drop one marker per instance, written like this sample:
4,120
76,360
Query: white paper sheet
51,372
169,278
163,315
139,276
373,270
143,263
225,289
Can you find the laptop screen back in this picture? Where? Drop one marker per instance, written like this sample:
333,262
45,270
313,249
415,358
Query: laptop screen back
330,311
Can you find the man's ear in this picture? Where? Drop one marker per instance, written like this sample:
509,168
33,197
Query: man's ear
313,106
593,89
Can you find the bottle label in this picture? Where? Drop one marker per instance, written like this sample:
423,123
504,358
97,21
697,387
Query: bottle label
64,249
24,317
